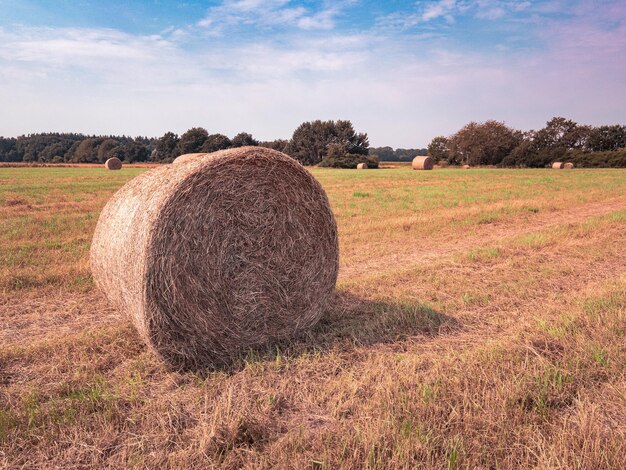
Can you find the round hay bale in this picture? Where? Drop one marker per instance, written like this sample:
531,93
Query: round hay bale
361,166
557,165
221,255
188,157
466,167
423,163
113,163
568,166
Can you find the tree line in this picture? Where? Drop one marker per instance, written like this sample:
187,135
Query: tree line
388,154
494,143
335,143
338,144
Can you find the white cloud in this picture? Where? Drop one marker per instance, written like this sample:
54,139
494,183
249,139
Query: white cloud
270,13
438,9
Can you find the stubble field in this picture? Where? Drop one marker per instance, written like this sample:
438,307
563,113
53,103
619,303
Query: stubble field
479,322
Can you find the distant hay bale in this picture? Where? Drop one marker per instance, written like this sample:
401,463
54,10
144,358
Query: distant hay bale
423,163
557,165
113,163
224,254
568,166
188,157
466,167
361,166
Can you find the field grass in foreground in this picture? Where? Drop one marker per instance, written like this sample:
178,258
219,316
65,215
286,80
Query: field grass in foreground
480,322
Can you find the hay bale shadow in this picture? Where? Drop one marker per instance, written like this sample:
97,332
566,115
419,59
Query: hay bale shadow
351,322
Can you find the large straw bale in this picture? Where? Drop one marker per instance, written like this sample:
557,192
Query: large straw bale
220,255
423,163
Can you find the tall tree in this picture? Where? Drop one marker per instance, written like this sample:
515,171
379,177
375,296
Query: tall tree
607,138
243,139
438,148
482,143
166,149
105,150
561,133
310,141
216,142
192,140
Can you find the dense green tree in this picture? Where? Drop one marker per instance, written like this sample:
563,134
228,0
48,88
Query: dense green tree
485,143
310,141
166,148
606,138
337,156
438,148
87,150
561,133
131,152
8,150
216,142
192,140
105,150
243,139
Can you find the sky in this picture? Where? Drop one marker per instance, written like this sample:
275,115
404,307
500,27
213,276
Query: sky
402,71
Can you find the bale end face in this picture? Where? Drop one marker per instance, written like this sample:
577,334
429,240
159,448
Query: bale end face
423,163
568,166
113,163
218,256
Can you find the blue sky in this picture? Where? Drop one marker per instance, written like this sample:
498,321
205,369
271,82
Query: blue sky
402,71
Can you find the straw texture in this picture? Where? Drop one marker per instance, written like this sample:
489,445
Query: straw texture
225,253
188,157
423,163
113,163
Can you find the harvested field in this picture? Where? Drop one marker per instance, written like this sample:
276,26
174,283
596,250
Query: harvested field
479,322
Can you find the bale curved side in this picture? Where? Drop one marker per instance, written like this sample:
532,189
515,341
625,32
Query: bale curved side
226,253
361,166
423,163
568,166
188,157
113,163
557,165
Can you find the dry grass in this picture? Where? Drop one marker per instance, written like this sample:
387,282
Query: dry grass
500,343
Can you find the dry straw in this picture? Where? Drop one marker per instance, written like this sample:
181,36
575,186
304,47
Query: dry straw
188,157
113,163
568,166
557,165
466,167
223,254
361,166
423,163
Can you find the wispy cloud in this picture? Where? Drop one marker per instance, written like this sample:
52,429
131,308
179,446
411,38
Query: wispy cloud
441,8
271,13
